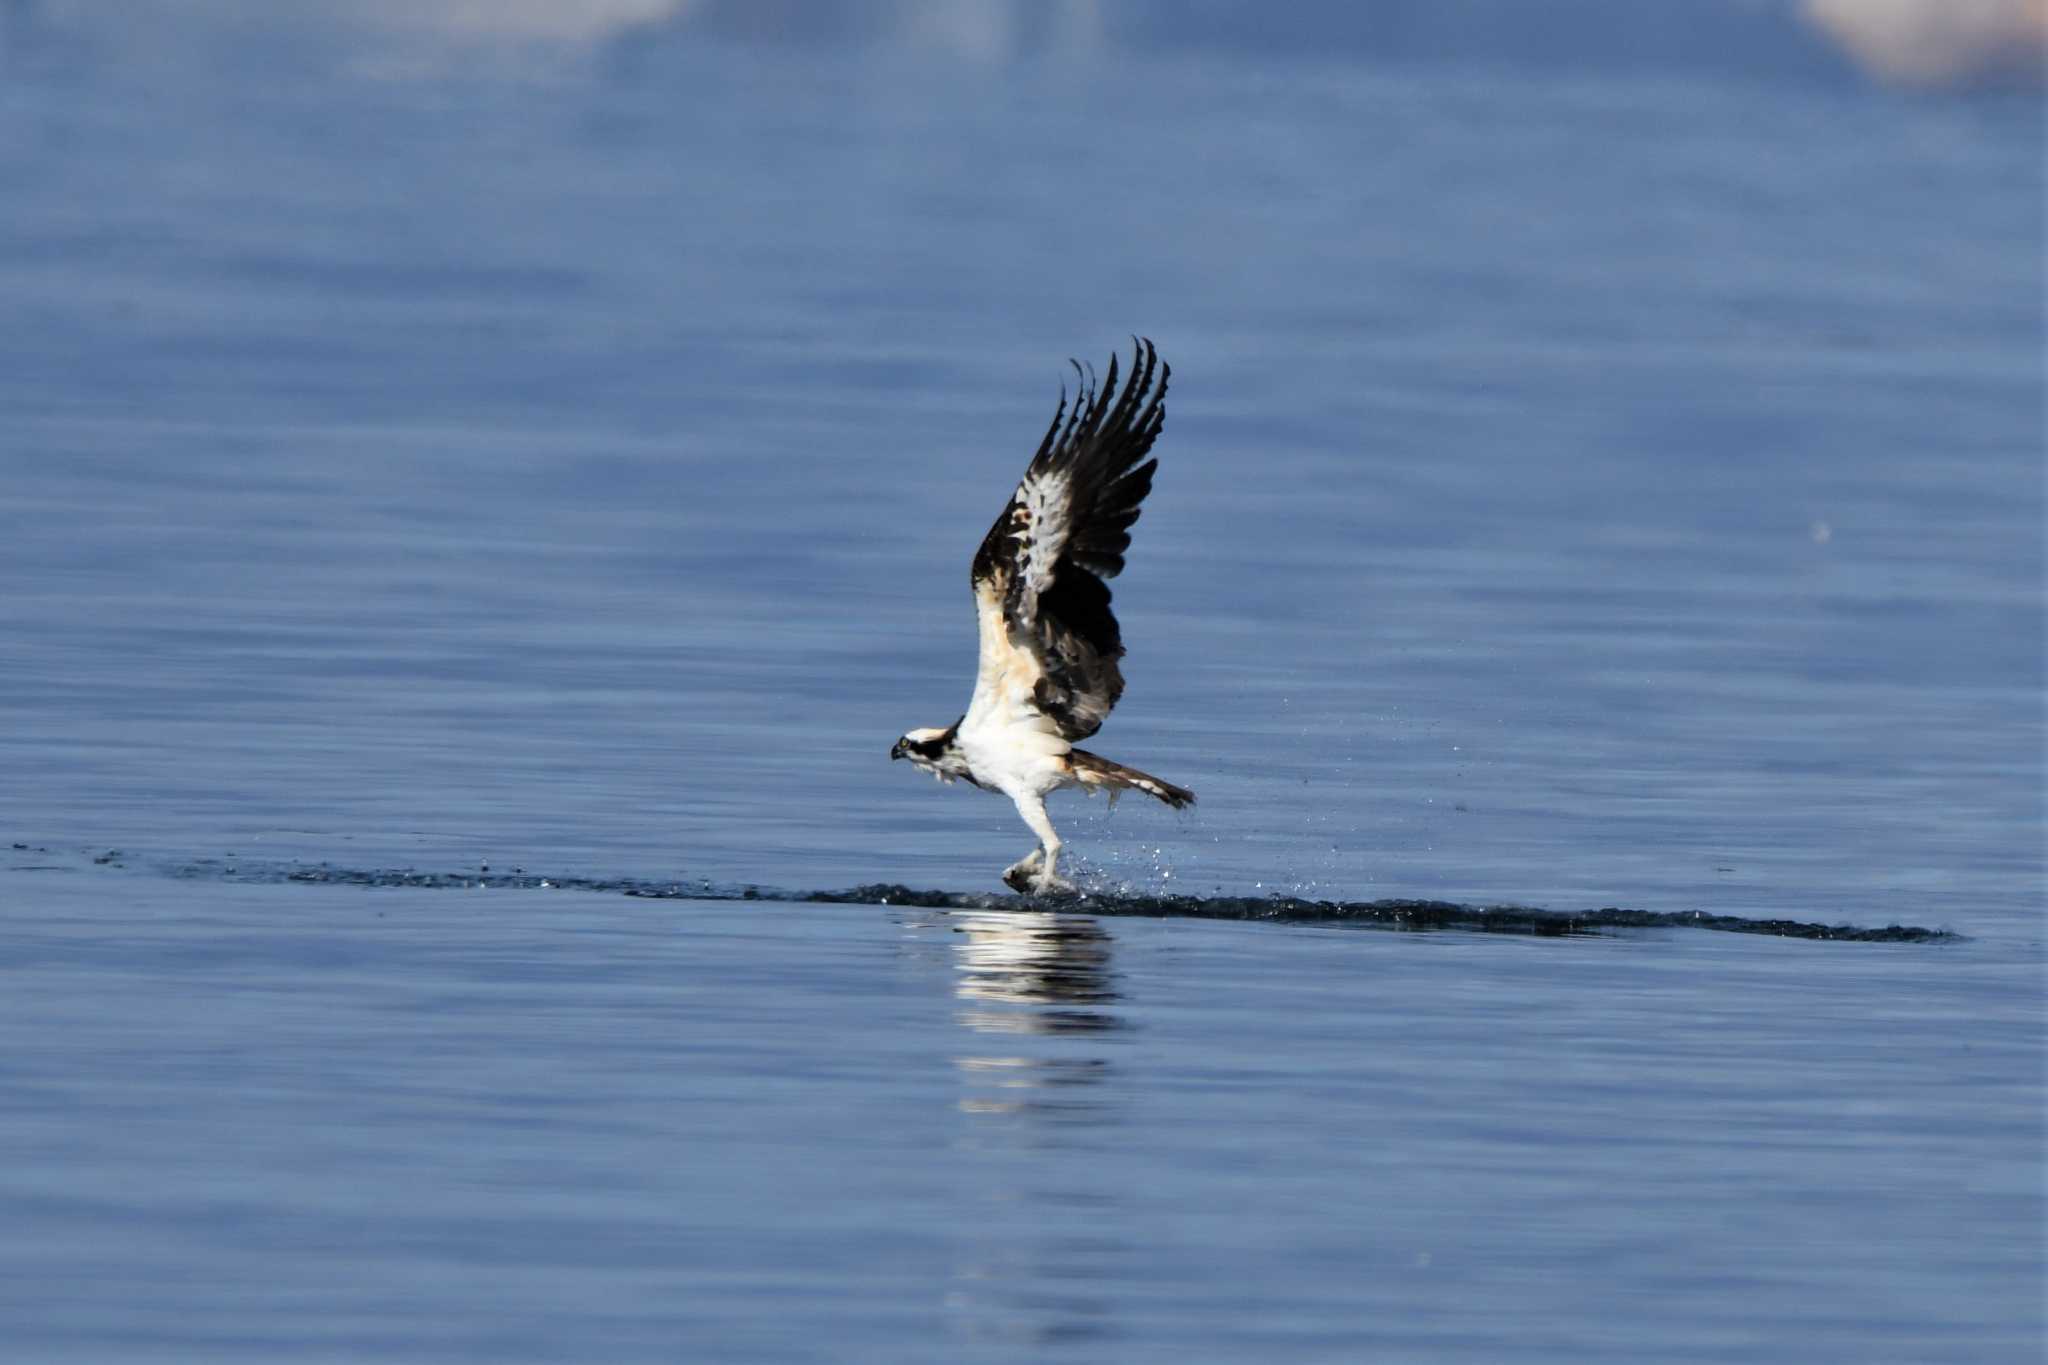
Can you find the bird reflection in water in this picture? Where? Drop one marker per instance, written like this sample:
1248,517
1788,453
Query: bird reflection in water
1032,975
1038,995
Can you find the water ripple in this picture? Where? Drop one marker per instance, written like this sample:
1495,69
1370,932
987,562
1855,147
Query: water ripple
1399,914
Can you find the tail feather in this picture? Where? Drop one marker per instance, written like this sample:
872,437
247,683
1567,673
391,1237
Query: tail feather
1093,770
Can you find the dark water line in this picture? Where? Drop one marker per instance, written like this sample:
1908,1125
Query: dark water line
1408,915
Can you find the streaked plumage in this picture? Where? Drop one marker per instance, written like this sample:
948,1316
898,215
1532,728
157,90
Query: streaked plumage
1050,644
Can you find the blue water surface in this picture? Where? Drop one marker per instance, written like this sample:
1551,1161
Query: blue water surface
1584,485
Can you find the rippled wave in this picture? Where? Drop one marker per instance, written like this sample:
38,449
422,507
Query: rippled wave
1411,915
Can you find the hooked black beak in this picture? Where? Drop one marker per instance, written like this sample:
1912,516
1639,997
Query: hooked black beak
896,749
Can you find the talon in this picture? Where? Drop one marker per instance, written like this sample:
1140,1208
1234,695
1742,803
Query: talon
1020,875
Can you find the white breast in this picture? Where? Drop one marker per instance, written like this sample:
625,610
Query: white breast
1011,744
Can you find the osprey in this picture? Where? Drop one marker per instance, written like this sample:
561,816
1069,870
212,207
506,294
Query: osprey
1049,642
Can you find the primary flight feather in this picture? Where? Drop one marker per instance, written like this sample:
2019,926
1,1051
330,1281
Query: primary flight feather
1049,641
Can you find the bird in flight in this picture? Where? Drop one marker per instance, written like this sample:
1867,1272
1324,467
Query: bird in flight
1049,642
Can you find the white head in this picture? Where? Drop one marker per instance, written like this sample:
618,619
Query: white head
934,751
925,747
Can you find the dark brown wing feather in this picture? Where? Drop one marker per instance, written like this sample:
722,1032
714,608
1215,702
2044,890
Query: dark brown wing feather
1084,485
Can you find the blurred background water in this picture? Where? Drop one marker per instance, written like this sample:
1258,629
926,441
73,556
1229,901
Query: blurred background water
1604,466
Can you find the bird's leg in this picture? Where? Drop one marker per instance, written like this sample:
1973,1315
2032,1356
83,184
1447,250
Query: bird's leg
1018,874
1047,877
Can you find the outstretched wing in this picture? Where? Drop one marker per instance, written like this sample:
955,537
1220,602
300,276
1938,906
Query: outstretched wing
1049,641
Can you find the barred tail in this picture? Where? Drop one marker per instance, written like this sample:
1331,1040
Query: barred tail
1093,770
